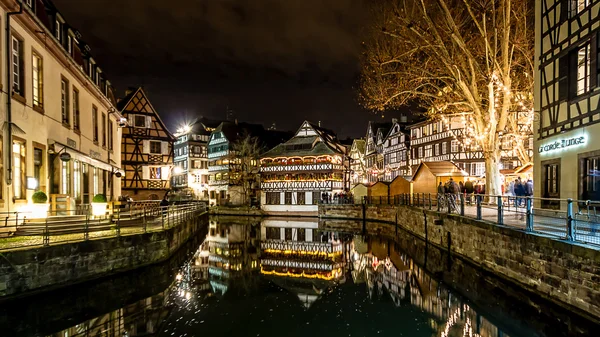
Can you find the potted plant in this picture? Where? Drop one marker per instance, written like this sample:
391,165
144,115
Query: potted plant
99,205
39,207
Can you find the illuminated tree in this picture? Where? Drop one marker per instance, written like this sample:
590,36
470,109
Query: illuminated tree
466,59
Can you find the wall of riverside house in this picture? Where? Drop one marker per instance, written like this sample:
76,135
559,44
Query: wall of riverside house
566,273
44,268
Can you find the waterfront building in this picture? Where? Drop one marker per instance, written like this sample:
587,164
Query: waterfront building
567,133
61,130
232,252
297,249
146,149
190,159
376,134
233,154
296,174
358,169
396,151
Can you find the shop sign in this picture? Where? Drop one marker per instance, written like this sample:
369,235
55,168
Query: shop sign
95,154
562,144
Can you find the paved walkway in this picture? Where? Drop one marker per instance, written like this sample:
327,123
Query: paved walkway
587,229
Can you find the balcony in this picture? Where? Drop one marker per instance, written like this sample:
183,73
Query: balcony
314,185
216,168
301,167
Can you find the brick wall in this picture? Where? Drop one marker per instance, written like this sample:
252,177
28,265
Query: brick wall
54,266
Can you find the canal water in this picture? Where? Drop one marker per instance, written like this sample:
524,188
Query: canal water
294,277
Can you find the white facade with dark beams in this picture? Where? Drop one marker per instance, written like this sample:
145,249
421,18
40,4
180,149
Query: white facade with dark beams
60,103
567,101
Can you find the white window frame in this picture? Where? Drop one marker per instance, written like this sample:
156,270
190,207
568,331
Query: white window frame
583,69
454,148
64,101
17,53
154,142
444,148
58,30
135,121
37,79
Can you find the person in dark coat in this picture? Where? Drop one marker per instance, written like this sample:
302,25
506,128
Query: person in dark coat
164,203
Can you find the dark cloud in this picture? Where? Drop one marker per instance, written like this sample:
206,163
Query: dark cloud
270,60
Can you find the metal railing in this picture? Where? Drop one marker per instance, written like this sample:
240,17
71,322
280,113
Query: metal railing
22,229
568,219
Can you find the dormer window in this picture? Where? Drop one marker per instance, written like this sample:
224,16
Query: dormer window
58,30
70,45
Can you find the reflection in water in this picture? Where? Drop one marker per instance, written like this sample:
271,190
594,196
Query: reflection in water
292,277
381,267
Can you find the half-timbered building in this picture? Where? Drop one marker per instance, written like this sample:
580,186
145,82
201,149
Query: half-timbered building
376,133
146,149
567,132
358,169
295,174
60,130
298,249
395,149
434,140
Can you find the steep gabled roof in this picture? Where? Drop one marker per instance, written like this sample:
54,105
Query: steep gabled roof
122,105
359,145
309,140
441,169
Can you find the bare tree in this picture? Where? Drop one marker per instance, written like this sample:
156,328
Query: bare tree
243,157
465,59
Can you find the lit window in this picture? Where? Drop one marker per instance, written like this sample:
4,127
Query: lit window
64,101
17,65
77,179
65,178
76,114
155,173
583,69
454,146
38,80
19,170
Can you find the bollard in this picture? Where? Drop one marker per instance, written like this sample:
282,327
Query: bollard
570,222
478,201
529,216
500,211
462,204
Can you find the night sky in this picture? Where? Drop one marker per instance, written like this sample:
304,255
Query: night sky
269,61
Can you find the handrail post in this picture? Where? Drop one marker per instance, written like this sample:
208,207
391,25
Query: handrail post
418,200
500,211
462,204
423,199
86,234
478,202
429,196
438,201
570,223
448,202
145,221
529,217
47,234
162,216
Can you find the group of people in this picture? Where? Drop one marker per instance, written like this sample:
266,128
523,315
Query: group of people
337,198
520,189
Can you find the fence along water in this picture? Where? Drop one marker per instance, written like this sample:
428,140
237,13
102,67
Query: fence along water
81,225
568,219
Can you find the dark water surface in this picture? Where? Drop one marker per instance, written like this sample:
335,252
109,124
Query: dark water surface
294,277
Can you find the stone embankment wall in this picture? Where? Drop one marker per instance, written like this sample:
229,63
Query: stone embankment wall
564,272
38,269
